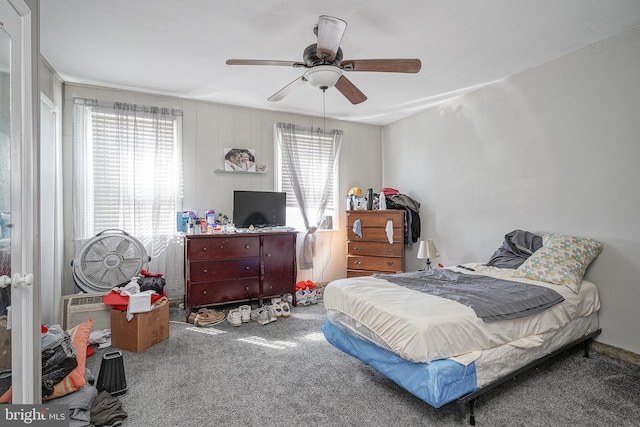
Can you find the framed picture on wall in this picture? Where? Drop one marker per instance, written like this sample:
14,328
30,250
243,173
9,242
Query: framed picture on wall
240,159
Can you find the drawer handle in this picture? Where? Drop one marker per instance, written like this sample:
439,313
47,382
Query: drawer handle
247,268
204,292
390,263
356,248
204,249
205,271
356,262
246,246
389,249
268,254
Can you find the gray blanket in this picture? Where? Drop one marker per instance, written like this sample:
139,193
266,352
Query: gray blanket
492,299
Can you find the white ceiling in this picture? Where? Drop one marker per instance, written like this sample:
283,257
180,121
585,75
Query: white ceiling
179,47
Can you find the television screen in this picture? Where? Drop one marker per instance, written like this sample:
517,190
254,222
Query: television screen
259,208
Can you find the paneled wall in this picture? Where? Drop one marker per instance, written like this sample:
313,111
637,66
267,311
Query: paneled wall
208,129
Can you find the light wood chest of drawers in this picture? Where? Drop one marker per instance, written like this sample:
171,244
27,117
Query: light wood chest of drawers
372,253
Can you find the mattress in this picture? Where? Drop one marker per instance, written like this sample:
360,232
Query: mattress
422,328
442,381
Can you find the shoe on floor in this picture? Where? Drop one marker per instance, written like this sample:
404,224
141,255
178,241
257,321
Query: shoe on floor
209,318
260,315
245,311
271,312
192,316
277,307
285,309
235,317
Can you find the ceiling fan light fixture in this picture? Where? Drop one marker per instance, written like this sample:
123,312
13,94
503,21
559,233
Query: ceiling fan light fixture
329,31
323,76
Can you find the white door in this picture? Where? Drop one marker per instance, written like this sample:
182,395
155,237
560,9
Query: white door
18,204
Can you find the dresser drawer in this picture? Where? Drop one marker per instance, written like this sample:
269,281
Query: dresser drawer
375,263
222,292
360,273
223,247
207,271
375,248
376,234
376,218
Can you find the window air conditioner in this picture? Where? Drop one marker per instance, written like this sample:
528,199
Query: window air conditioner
77,308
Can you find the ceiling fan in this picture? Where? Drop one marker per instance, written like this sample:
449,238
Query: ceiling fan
325,66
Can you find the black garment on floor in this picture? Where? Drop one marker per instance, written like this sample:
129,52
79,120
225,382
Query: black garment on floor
106,410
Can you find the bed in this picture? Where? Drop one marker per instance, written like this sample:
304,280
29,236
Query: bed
447,335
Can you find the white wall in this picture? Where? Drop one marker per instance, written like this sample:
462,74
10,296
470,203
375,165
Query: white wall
553,149
208,128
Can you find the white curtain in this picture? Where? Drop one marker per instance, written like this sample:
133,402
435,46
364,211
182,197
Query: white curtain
127,163
309,158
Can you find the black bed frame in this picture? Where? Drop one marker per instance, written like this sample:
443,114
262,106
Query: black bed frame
471,397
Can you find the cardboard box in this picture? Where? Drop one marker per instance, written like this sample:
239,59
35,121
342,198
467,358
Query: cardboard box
143,331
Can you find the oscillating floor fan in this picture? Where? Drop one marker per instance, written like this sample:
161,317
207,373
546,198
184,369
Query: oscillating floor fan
107,260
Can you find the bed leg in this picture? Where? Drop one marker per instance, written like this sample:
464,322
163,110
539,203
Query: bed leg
586,348
472,416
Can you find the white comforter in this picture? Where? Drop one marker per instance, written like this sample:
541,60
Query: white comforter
421,328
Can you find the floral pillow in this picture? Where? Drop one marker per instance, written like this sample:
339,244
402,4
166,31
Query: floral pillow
562,260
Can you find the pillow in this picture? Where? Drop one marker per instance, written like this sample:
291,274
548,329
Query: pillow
562,260
76,379
518,245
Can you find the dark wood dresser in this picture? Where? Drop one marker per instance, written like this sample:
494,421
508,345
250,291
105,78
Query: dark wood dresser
225,268
372,253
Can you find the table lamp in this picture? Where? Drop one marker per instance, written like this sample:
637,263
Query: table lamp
427,250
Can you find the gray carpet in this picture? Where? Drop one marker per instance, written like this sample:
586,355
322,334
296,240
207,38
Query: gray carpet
286,374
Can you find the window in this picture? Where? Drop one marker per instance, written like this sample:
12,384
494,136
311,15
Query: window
306,169
126,172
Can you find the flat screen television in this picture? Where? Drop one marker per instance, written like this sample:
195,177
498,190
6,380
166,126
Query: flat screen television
259,208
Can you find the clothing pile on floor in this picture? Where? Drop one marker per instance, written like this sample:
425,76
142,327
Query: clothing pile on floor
67,381
88,407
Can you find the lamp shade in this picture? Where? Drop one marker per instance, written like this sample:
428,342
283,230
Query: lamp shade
427,250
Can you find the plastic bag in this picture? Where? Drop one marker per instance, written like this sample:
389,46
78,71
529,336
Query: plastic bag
57,361
152,283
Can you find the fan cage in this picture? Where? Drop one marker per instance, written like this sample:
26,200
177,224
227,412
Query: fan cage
107,260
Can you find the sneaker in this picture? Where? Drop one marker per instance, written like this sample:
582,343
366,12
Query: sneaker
245,310
286,310
260,315
278,308
209,318
235,317
271,312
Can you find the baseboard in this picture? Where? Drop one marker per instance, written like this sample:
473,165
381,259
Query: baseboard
616,353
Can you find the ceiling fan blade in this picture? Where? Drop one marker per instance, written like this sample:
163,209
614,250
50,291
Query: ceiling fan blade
329,31
264,62
383,65
350,91
287,89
